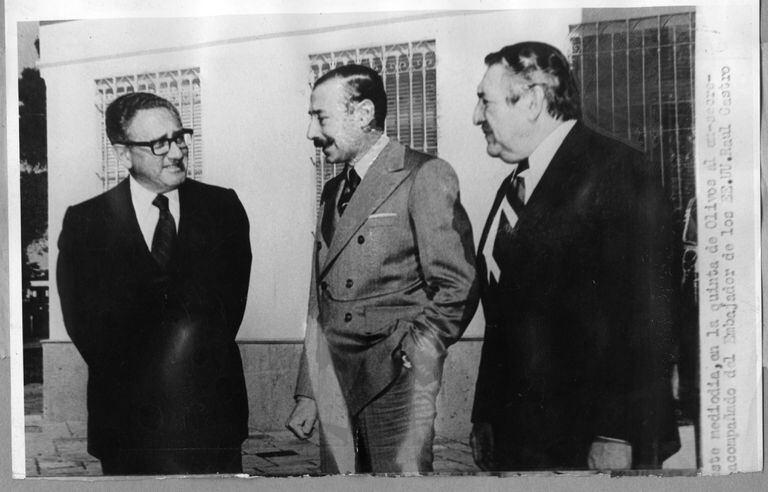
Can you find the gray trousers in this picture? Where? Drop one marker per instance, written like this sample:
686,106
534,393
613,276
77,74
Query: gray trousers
395,431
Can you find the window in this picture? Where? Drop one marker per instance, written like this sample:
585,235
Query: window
181,87
408,70
636,81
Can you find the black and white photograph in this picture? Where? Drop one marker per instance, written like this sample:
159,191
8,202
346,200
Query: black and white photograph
300,243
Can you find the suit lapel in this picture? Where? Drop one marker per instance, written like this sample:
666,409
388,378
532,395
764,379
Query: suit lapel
125,223
557,184
384,175
328,211
481,262
196,229
559,180
491,216
188,209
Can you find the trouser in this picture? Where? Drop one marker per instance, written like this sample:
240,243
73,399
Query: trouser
171,461
395,431
516,448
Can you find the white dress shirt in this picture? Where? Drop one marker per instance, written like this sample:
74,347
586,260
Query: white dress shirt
147,214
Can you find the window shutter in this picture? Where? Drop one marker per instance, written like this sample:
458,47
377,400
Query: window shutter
636,82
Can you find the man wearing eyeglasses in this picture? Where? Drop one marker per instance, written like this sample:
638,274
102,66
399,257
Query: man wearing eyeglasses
153,277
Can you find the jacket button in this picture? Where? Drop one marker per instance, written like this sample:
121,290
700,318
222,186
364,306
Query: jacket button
324,285
360,239
350,283
348,317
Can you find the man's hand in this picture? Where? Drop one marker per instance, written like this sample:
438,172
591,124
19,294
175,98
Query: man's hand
481,440
609,454
303,418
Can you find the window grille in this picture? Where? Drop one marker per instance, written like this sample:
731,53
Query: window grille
636,82
408,71
181,87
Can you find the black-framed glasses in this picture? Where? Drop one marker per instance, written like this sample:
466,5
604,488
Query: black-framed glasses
162,145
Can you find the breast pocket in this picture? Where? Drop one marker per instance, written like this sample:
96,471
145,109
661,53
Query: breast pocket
381,220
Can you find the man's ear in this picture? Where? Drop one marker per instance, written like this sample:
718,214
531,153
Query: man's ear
365,112
536,102
123,153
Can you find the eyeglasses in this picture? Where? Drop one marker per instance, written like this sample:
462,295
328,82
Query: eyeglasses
162,145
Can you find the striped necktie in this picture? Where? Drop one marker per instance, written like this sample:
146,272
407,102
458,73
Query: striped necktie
350,185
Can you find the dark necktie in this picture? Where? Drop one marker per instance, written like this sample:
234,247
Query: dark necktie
350,185
516,189
515,196
164,240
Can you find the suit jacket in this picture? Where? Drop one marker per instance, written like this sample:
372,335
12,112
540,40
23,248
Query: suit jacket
163,367
398,274
578,335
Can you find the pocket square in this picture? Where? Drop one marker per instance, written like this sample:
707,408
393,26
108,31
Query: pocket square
381,215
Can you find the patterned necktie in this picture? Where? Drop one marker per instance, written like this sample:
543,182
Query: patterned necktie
350,185
515,196
164,239
516,190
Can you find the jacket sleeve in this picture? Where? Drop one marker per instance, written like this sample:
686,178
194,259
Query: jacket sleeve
490,377
303,380
637,274
447,258
78,289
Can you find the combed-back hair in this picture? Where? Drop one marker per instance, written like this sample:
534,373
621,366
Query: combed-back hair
362,83
543,65
122,110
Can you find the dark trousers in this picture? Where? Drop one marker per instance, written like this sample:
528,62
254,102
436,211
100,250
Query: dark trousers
517,449
395,431
171,461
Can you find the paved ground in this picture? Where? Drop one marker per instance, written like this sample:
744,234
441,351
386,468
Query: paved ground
59,449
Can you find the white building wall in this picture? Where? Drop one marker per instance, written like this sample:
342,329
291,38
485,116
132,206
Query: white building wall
255,93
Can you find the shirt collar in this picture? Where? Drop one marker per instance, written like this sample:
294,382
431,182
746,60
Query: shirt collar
142,198
539,160
364,163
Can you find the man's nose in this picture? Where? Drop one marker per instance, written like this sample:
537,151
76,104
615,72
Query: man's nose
477,115
312,131
174,151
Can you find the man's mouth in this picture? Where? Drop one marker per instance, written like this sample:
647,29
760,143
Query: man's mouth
176,166
323,144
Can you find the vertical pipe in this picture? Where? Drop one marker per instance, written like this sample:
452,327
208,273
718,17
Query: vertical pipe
597,73
397,98
661,119
613,90
645,103
410,92
626,69
424,99
677,123
581,66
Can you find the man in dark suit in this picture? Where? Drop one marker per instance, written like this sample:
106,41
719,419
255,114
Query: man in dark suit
394,285
153,277
575,263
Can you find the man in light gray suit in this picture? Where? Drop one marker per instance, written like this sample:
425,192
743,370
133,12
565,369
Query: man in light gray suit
393,285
